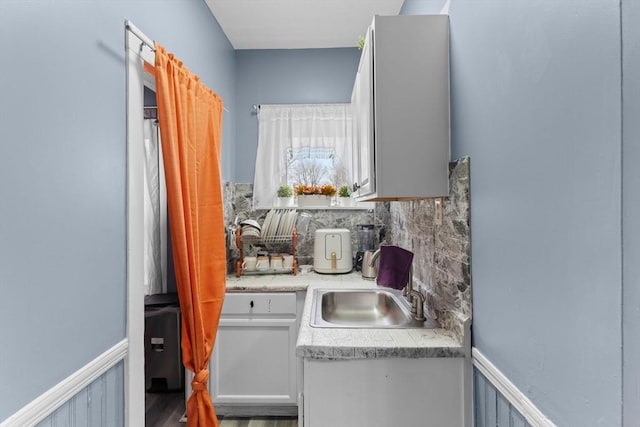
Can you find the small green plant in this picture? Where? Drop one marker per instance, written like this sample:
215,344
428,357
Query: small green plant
285,191
344,191
360,43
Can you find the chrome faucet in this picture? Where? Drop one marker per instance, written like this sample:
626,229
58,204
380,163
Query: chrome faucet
415,298
409,287
417,305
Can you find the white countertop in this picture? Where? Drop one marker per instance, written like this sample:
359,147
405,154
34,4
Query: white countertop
290,283
347,343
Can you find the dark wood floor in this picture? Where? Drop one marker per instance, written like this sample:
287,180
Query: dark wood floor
164,409
167,410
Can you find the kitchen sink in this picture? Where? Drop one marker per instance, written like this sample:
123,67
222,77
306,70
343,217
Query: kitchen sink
361,308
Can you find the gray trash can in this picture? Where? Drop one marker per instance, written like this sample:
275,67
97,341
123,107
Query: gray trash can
163,358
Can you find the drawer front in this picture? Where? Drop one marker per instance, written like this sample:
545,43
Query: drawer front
259,303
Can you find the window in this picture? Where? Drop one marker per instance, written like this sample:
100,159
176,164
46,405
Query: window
315,166
301,144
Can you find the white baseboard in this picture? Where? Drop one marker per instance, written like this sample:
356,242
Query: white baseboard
510,392
46,404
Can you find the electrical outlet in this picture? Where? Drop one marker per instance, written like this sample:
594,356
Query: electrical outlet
437,219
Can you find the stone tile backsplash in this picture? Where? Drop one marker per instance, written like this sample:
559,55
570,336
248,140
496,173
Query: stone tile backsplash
442,253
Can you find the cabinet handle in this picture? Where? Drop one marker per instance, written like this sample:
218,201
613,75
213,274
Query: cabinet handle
251,303
356,186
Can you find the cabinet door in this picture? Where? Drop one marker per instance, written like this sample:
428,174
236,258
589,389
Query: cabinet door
364,152
355,135
254,362
411,106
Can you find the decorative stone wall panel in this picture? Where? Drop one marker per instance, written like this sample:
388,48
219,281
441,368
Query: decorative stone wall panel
442,253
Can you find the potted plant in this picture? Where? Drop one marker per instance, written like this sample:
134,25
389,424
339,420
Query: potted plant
344,196
285,196
314,195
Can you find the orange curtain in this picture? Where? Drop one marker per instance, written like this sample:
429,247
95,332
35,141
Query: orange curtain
190,117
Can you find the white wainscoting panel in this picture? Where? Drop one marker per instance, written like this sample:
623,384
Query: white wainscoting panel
498,402
92,396
101,403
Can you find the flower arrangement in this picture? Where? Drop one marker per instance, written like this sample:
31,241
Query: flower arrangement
306,190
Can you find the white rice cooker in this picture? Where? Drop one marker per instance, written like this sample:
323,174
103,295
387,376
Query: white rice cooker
332,251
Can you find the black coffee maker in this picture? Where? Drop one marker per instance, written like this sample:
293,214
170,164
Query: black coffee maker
367,241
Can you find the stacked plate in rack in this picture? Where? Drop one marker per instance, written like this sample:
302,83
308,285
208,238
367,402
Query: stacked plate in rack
250,230
279,224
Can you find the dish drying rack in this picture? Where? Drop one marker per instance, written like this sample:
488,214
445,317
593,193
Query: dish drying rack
266,241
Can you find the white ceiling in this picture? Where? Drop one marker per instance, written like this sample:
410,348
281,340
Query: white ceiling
298,24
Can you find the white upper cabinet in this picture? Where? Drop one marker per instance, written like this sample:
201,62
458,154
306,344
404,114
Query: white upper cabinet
362,104
401,109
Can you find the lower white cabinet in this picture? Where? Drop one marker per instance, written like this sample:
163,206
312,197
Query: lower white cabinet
252,362
253,368
427,392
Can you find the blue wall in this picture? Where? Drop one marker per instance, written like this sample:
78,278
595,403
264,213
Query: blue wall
631,211
62,174
286,77
536,104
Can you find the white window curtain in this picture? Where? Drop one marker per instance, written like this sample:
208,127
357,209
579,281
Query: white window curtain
281,127
155,218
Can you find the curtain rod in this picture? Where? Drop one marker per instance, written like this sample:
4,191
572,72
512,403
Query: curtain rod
155,108
145,40
139,34
256,107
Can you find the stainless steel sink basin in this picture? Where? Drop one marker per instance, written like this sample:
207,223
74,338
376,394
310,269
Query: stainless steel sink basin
361,308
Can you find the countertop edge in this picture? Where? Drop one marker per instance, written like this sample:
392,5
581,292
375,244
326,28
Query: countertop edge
362,353
240,288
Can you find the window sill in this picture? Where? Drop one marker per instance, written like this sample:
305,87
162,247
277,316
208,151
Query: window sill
361,206
365,206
